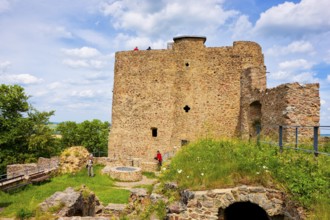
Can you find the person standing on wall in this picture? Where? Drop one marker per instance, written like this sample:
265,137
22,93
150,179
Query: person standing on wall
159,158
90,166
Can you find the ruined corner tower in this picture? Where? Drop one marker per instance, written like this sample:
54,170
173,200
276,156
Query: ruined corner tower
163,99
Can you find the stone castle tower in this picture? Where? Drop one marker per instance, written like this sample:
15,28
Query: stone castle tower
163,99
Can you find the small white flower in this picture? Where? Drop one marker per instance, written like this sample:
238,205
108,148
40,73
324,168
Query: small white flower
264,167
179,171
257,173
202,174
164,168
267,171
187,176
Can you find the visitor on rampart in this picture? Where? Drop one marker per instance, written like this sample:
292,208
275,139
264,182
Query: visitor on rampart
159,158
90,166
136,48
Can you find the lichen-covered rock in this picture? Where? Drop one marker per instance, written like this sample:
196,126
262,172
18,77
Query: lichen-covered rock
71,202
73,159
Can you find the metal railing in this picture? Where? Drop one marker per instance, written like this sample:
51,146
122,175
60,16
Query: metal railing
314,140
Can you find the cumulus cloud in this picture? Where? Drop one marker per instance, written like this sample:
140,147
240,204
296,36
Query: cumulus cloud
152,18
291,18
303,47
93,64
290,76
21,79
300,64
242,28
323,102
84,52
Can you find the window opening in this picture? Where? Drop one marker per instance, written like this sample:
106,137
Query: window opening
187,64
154,132
186,108
184,142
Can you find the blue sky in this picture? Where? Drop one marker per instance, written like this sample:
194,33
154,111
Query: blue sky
62,52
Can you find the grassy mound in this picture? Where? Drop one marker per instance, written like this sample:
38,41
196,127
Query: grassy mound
211,164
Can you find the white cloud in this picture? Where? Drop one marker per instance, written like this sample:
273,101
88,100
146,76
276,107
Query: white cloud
76,63
152,18
87,93
242,28
55,85
4,66
92,64
295,47
291,18
289,76
21,79
328,78
323,102
4,5
299,64
84,52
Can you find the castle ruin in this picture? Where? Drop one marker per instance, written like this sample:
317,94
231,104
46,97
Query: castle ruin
162,99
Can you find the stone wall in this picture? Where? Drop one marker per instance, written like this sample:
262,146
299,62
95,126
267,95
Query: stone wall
212,204
25,169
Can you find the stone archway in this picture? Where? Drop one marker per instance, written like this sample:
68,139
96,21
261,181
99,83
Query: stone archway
244,210
213,204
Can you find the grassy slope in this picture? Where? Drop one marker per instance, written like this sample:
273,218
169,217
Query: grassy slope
30,197
211,164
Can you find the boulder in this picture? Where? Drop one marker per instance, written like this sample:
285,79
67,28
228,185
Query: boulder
71,202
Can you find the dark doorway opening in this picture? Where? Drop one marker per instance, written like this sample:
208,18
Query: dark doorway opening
244,210
154,132
255,118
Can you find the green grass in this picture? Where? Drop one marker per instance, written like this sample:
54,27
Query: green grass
32,195
218,164
149,175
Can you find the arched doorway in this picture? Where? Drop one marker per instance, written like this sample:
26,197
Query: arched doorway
254,118
244,210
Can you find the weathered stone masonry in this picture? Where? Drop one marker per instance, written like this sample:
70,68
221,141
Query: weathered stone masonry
164,98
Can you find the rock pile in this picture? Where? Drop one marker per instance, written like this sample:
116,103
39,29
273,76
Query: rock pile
73,159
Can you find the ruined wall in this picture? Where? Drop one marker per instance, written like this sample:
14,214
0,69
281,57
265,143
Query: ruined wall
212,203
289,104
185,93
295,105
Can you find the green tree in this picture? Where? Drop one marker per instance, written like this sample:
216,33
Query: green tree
70,133
91,134
94,135
23,136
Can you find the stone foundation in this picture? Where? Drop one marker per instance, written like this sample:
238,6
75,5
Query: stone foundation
149,166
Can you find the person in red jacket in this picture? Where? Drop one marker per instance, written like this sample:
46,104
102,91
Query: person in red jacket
159,158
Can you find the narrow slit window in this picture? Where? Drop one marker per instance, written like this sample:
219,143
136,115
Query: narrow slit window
154,132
